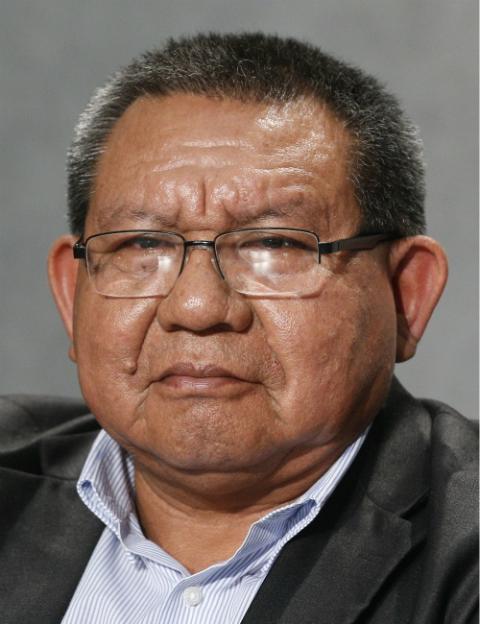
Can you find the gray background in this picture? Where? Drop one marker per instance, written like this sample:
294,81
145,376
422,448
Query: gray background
53,53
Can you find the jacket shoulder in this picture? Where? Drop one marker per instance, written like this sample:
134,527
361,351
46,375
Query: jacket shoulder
452,436
451,557
30,422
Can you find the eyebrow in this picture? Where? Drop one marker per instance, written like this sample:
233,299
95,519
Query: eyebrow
266,215
138,216
153,220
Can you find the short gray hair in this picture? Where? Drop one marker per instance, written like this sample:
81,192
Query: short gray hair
386,167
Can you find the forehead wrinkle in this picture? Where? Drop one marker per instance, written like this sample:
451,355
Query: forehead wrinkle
260,200
204,146
205,162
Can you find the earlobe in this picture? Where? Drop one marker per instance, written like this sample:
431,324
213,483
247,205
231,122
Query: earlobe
418,270
62,275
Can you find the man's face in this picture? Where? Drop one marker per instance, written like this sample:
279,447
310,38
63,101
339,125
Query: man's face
206,379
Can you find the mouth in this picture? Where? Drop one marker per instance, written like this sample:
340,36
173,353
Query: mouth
201,380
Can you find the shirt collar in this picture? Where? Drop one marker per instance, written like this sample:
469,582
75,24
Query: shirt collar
107,482
107,486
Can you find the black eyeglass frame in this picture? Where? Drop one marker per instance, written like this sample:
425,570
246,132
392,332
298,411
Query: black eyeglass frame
356,243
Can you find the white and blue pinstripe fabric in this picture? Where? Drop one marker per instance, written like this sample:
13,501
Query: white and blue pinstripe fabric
131,580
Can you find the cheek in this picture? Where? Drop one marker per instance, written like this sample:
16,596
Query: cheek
307,340
332,348
108,337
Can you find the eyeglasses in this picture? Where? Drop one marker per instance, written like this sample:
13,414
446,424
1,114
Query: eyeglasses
254,261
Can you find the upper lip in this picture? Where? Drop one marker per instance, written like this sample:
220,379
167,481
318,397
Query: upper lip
197,370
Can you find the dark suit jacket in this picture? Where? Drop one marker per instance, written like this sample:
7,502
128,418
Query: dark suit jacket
395,544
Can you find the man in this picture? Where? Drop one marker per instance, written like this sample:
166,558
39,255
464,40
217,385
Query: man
247,262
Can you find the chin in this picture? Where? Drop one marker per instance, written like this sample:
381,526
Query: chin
216,456
212,460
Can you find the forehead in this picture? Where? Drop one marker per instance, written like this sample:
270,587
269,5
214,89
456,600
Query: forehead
188,161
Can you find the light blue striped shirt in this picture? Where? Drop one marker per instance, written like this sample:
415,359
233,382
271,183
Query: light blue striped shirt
130,579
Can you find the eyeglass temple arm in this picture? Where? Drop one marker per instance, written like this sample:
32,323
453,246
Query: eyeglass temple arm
357,243
79,251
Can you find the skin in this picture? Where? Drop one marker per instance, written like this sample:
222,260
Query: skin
302,377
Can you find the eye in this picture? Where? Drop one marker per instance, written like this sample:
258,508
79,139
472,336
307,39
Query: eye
140,242
280,243
145,243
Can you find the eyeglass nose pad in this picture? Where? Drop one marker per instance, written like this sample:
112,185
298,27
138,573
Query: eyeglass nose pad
202,246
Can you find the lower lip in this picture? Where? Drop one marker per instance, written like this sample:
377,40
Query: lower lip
184,384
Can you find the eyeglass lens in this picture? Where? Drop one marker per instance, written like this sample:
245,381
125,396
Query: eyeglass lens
254,262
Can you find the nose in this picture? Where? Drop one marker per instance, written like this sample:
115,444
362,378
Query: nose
201,301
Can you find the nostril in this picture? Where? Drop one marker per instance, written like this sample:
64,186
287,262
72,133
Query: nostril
208,331
215,329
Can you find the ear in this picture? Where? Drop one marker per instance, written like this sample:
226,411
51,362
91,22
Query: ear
418,271
62,275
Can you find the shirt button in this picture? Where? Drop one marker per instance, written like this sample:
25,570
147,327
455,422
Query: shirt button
193,596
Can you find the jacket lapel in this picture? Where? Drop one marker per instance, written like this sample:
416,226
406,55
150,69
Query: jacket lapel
44,551
332,578
331,571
